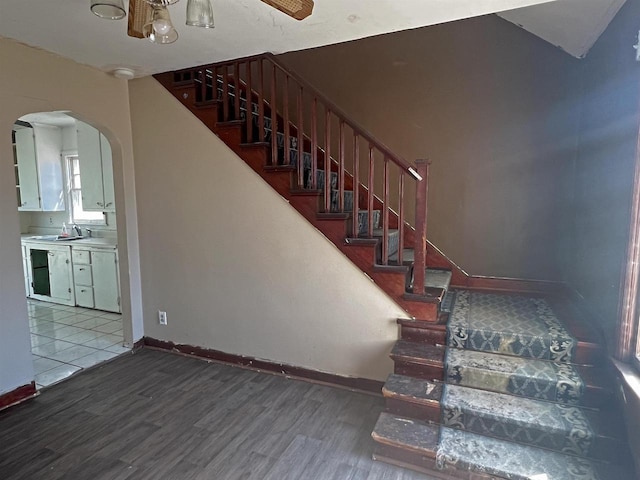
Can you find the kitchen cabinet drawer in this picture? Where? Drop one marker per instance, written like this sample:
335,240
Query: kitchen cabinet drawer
82,274
80,256
84,296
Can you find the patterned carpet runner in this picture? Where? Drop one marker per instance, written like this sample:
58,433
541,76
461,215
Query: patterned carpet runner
509,324
468,451
555,382
543,424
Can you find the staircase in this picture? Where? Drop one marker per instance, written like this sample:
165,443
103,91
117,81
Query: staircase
506,389
485,385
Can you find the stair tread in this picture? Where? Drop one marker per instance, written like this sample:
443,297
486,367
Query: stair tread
518,325
527,377
467,451
568,429
418,353
437,278
412,389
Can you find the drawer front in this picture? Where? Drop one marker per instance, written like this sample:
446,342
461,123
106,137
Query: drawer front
82,275
84,296
80,256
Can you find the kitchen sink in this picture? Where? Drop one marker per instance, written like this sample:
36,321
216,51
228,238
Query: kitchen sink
55,238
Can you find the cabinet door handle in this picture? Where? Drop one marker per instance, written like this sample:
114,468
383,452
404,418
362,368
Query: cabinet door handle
99,204
109,204
51,254
81,269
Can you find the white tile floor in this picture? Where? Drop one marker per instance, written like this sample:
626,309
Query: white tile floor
65,339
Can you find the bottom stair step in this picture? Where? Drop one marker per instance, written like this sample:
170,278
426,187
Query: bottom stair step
457,454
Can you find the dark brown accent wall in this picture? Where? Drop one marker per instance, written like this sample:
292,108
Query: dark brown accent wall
494,108
603,169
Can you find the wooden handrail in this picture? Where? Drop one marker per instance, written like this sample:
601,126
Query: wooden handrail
314,92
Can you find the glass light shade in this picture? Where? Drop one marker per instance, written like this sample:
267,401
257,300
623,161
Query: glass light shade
109,9
200,13
160,30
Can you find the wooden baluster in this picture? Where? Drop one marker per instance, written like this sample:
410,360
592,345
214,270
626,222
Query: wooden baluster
274,119
370,193
300,139
261,99
341,169
356,186
249,103
203,84
401,218
214,84
385,210
225,93
327,160
236,83
420,260
314,144
287,133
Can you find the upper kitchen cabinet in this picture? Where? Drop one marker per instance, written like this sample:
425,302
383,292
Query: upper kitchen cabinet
94,153
38,165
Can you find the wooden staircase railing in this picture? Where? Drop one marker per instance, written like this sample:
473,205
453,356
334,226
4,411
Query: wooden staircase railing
284,108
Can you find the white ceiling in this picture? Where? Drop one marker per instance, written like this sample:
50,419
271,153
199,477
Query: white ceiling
572,25
243,27
58,119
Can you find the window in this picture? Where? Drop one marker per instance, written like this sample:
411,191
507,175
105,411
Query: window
76,213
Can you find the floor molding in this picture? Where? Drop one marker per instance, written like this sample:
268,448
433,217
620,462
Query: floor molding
352,383
18,395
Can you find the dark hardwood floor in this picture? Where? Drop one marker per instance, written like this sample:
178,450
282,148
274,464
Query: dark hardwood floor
156,415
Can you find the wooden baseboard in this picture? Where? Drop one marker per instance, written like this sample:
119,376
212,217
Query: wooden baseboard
512,285
18,395
353,383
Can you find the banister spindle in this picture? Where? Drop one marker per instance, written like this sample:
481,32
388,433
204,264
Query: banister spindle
370,193
214,84
261,100
420,244
401,218
225,93
356,186
203,85
327,160
249,104
236,89
385,210
287,133
314,143
274,118
341,168
300,127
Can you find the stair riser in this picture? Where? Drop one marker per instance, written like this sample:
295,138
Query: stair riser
593,397
426,413
422,463
430,337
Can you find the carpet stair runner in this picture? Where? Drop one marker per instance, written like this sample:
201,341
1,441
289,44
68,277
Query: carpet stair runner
233,132
496,393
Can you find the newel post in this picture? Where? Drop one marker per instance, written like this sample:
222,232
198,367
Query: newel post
420,259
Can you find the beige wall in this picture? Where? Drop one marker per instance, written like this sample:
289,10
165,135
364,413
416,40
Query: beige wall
235,267
35,81
493,107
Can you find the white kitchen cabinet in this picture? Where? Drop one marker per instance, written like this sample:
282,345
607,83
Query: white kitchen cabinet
39,169
29,191
60,276
82,277
96,170
106,292
50,274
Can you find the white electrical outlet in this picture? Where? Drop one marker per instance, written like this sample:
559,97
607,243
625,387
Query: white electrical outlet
162,317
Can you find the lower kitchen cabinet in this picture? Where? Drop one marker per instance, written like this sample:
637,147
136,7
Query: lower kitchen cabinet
106,293
49,272
96,279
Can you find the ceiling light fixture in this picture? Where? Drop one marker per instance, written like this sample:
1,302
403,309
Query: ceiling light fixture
150,18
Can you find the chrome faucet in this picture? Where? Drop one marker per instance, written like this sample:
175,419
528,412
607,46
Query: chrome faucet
77,229
88,232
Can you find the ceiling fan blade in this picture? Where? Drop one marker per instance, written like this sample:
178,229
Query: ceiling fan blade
139,15
298,9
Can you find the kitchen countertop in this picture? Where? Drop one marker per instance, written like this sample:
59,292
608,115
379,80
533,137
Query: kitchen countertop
87,242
